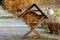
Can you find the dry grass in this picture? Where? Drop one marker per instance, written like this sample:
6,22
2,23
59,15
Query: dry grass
54,27
30,38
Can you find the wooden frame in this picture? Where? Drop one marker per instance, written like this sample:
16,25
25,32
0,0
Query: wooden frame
33,19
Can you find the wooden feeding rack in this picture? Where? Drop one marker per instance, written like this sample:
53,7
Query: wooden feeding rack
32,18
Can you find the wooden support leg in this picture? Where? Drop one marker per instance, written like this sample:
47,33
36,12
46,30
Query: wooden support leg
36,33
33,30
